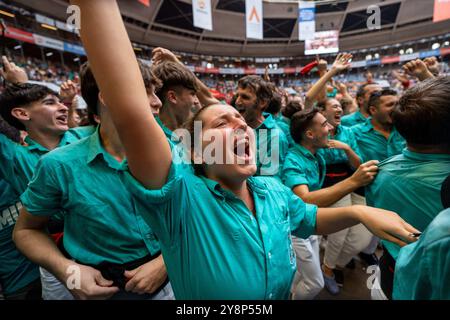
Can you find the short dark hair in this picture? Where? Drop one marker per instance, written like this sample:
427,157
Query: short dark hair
361,90
20,95
173,75
9,131
262,89
423,113
375,97
291,108
300,121
275,104
90,90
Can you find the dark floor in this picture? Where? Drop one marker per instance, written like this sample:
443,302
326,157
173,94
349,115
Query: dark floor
355,284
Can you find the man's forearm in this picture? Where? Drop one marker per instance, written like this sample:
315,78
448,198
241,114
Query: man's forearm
331,220
327,196
38,246
353,158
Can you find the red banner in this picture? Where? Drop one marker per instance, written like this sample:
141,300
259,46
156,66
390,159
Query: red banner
445,51
18,34
390,59
290,70
441,10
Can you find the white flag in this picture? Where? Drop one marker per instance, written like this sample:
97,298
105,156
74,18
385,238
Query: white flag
306,20
254,18
201,10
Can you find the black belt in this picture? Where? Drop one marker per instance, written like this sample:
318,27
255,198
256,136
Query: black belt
335,173
114,271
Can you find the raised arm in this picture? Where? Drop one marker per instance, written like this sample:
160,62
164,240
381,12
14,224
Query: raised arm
117,73
13,73
341,63
418,68
204,95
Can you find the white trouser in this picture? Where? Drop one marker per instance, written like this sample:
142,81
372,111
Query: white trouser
53,289
343,245
376,293
372,245
308,280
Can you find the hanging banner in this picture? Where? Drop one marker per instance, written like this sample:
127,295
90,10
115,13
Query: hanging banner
306,20
201,10
323,42
254,19
441,10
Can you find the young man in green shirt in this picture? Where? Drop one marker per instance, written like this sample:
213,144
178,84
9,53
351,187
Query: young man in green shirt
410,183
116,252
304,172
19,277
253,97
362,98
38,111
377,137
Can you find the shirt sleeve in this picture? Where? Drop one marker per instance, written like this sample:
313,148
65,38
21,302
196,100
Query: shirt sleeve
44,192
293,174
163,209
303,217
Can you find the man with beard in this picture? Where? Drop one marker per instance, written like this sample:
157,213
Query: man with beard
362,98
253,97
377,137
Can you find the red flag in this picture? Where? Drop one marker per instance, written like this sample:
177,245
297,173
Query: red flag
145,2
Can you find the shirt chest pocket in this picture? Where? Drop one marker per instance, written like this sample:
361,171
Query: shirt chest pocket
284,239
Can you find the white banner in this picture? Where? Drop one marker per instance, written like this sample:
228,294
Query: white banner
201,10
43,19
306,20
254,19
48,42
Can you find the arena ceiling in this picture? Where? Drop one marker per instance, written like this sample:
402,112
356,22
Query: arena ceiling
169,23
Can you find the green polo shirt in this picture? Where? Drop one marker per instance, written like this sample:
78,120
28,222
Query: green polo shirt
422,270
270,140
343,134
353,119
214,247
302,167
16,271
410,185
101,222
285,125
373,145
19,162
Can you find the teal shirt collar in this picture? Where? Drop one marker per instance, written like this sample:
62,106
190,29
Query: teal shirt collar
268,123
215,188
65,140
96,149
305,152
